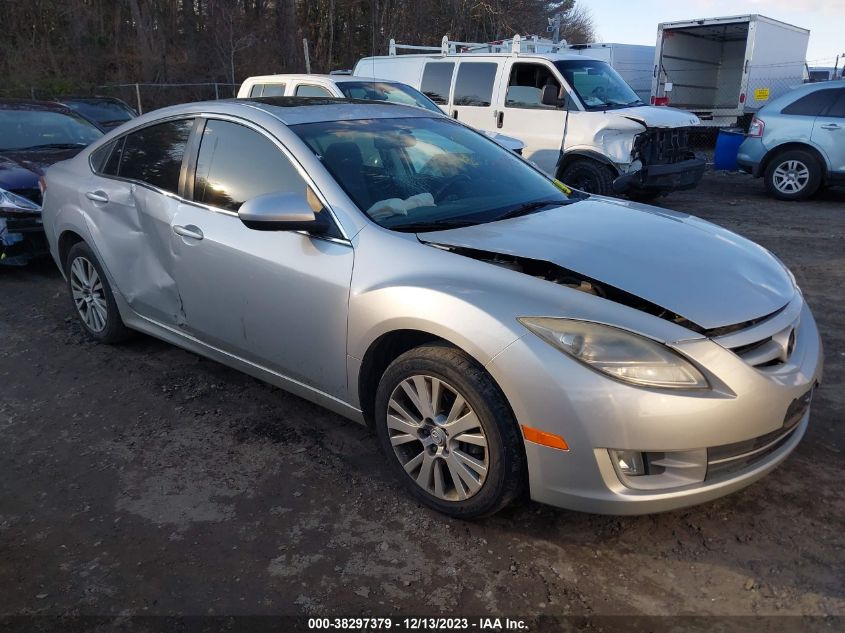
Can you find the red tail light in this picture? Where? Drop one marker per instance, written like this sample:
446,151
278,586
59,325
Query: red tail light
742,98
661,101
756,128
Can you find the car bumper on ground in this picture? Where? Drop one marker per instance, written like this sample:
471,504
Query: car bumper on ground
672,177
711,442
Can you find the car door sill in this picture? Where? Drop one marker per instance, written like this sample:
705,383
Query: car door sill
181,339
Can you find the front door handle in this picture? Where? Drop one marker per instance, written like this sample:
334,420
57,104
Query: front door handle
97,196
188,231
454,114
500,119
831,126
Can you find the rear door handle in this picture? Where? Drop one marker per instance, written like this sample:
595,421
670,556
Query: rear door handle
454,114
831,126
188,231
97,196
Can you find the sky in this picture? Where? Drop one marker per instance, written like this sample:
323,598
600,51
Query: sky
635,21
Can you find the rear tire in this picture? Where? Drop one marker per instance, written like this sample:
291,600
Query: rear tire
92,296
448,433
588,175
793,175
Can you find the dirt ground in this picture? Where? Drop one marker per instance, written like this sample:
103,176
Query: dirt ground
142,479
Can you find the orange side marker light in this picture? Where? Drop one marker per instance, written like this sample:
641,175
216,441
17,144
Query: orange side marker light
546,439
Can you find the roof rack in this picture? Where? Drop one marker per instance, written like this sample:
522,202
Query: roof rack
515,45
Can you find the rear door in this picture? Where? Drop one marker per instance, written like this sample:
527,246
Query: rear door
131,199
829,132
436,83
472,95
521,113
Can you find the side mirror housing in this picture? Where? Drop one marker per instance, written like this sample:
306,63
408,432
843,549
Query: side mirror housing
550,97
286,211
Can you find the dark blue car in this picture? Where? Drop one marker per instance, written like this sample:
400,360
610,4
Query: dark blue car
33,136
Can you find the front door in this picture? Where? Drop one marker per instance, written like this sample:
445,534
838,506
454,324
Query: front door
276,298
520,113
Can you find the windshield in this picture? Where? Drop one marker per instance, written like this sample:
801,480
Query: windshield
597,84
102,111
384,91
421,174
31,129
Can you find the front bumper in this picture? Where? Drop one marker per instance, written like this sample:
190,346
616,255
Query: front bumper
685,174
550,391
22,238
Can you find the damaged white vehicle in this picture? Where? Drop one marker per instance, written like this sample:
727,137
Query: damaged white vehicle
501,332
579,120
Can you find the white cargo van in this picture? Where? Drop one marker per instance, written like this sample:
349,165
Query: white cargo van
725,69
579,120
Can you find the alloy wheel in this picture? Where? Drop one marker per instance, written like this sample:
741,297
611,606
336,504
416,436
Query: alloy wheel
437,438
88,294
791,176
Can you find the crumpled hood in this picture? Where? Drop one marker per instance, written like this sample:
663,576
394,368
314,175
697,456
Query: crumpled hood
659,116
697,270
14,175
19,171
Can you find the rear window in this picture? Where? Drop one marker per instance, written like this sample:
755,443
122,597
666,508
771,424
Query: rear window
436,81
474,85
812,104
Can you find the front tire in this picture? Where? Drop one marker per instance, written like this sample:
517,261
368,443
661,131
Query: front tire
588,175
448,433
92,296
793,175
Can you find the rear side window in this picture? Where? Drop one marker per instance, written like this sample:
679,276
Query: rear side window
224,179
436,81
112,163
838,108
812,104
154,154
273,90
306,90
100,156
474,85
256,90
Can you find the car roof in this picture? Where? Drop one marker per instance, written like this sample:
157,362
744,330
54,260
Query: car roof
300,77
799,91
31,104
295,110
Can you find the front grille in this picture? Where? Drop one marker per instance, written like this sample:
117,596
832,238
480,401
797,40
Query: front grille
730,458
657,146
766,343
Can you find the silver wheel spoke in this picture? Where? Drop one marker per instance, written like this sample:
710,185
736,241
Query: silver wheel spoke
468,478
411,465
439,481
424,476
398,424
456,410
402,438
456,479
467,460
463,424
472,438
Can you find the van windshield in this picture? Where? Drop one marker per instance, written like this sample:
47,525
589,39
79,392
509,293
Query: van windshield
424,174
597,84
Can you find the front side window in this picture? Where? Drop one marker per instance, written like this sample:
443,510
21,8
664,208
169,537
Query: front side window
526,83
236,163
387,91
812,104
154,154
44,129
474,85
307,90
437,80
431,172
597,84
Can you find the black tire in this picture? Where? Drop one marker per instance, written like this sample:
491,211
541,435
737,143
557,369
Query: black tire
506,476
588,175
784,163
102,326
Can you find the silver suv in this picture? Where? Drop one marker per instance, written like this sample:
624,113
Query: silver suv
797,142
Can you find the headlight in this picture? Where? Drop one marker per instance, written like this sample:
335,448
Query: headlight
618,353
13,202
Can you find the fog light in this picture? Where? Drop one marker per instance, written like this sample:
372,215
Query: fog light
629,463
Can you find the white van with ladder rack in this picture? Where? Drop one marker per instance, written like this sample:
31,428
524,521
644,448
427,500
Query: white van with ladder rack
579,120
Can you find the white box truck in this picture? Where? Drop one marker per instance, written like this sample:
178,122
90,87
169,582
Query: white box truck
725,69
633,62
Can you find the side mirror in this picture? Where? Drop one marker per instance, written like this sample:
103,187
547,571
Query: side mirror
287,211
550,96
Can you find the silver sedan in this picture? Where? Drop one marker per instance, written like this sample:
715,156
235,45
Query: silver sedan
503,334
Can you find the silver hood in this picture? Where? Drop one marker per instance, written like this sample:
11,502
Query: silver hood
697,270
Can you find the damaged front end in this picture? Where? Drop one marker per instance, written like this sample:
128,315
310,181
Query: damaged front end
22,236
663,161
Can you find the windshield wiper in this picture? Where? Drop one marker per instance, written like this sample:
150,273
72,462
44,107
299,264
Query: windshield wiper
432,225
49,146
531,207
